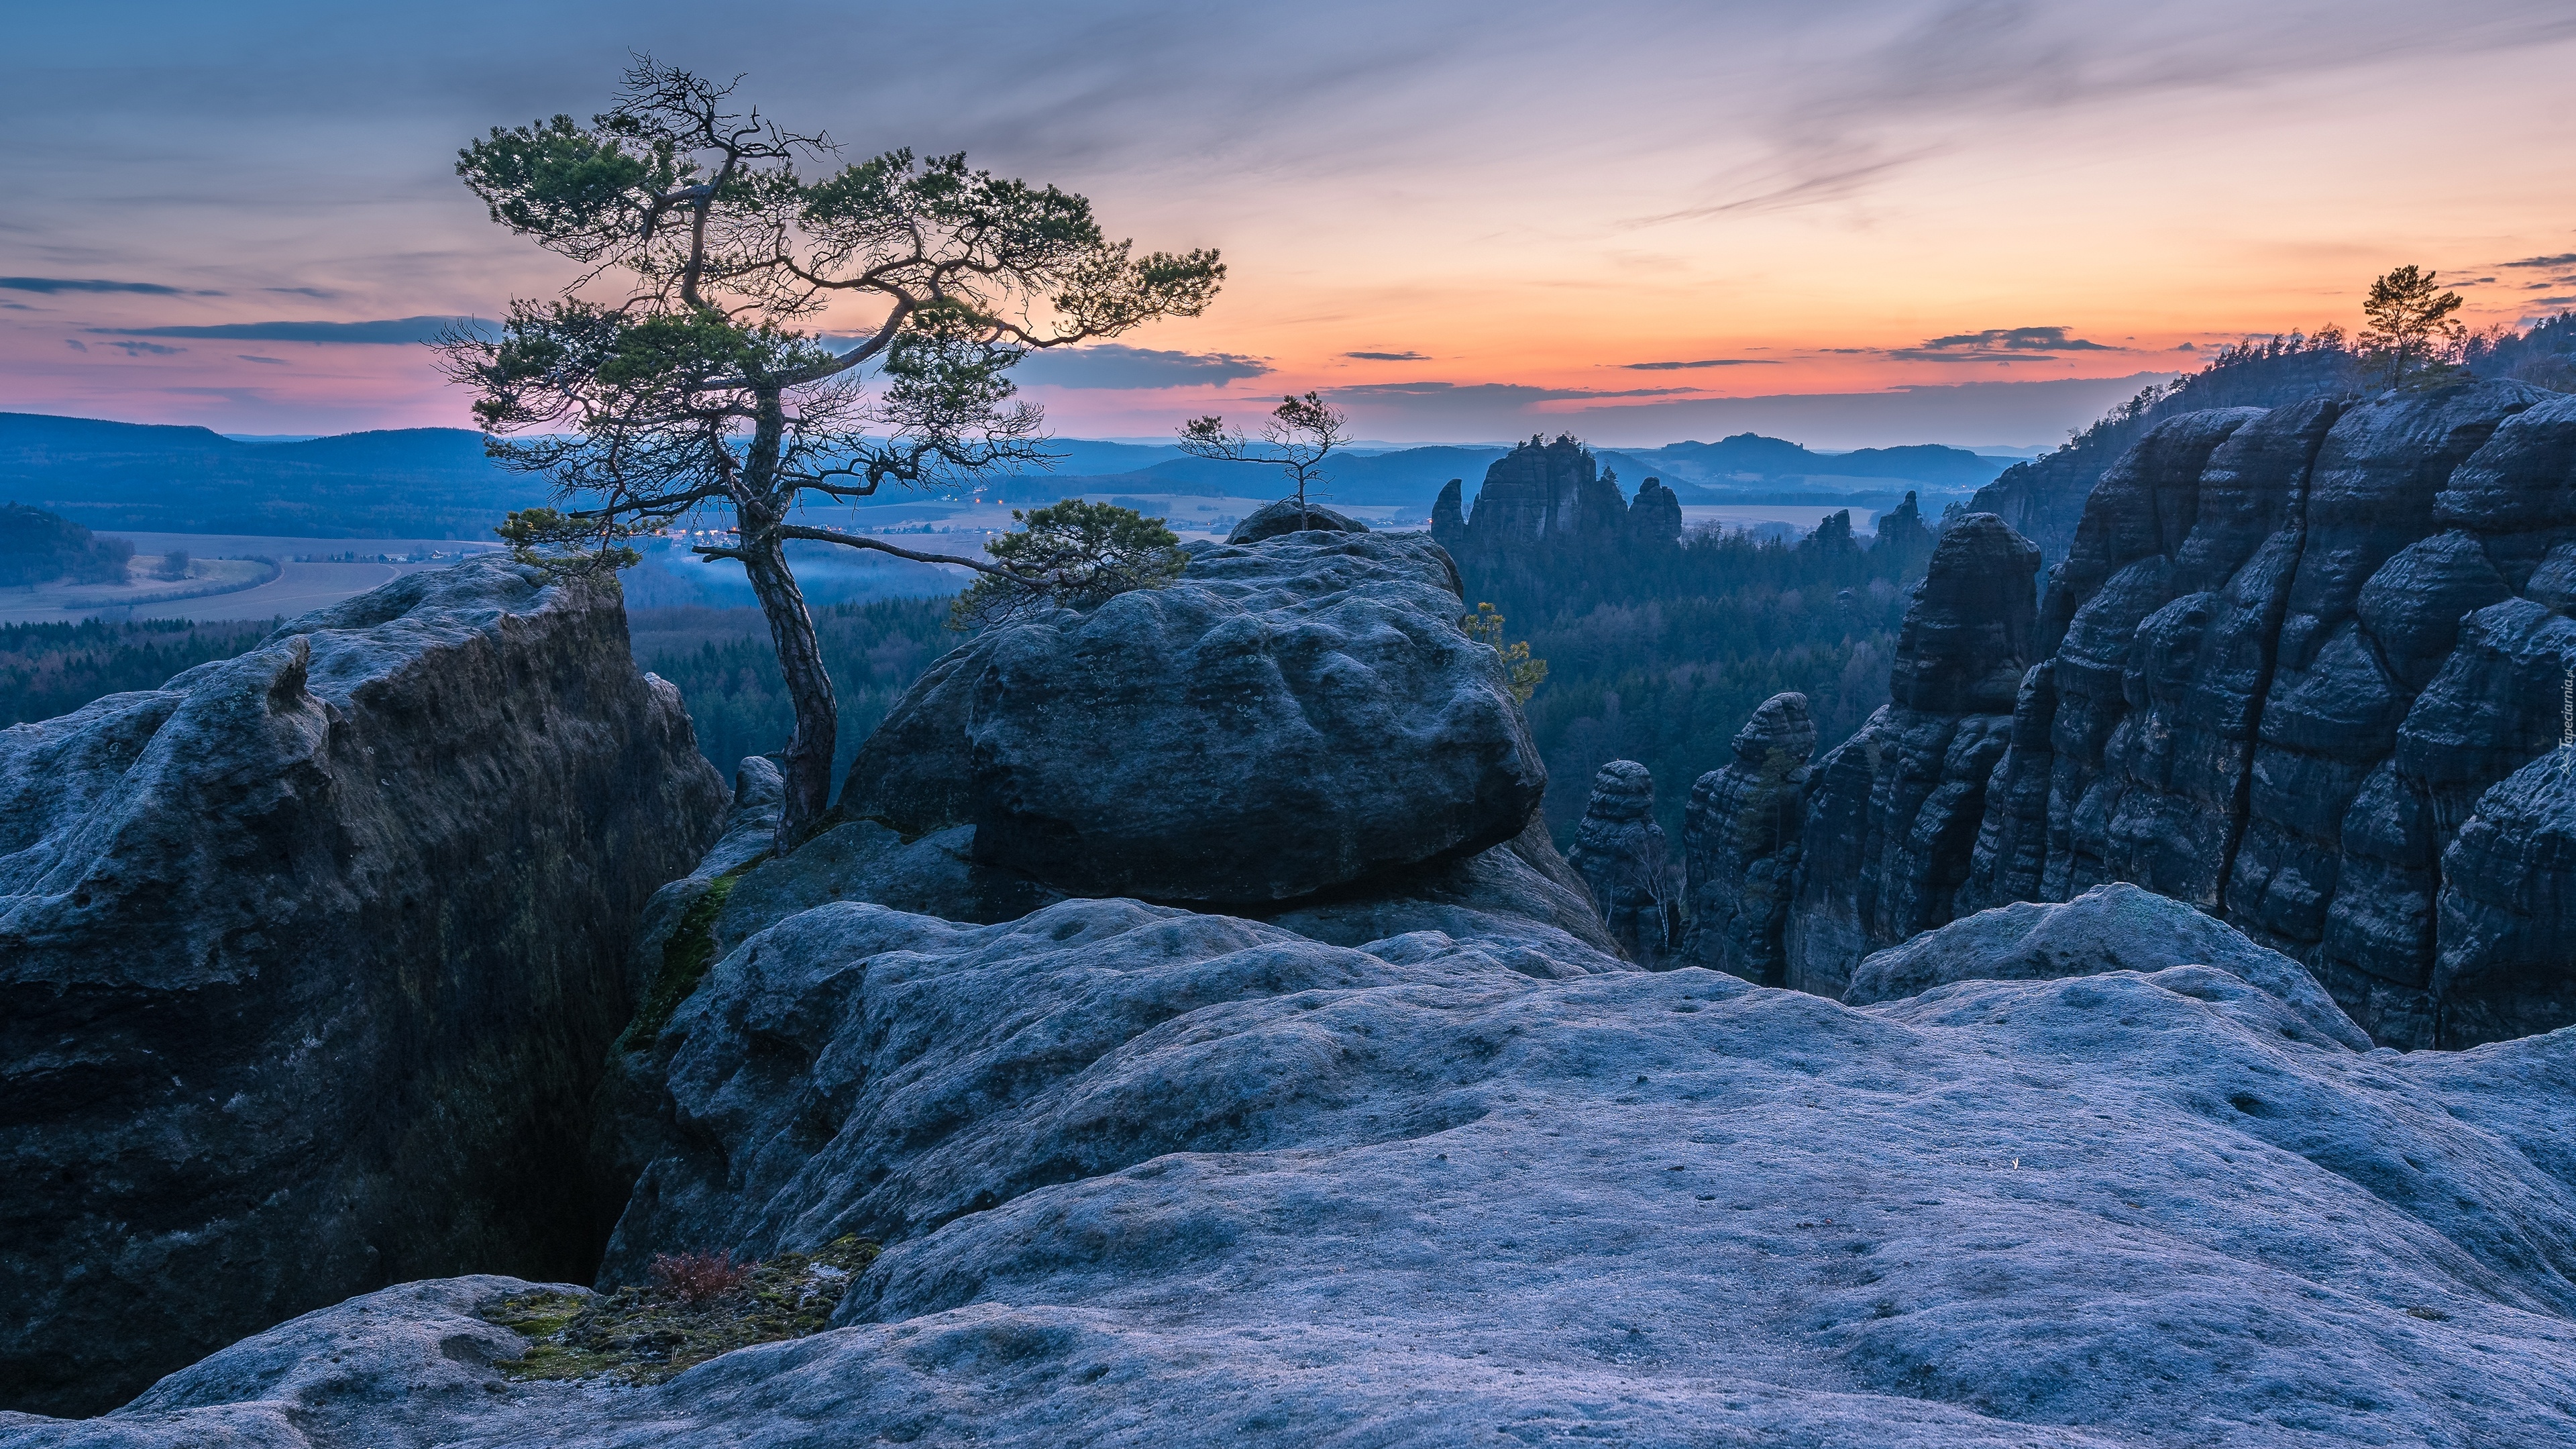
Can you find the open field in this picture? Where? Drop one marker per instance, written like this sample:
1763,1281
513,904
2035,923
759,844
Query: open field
311,574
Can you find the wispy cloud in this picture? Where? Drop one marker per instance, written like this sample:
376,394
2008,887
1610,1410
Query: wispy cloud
146,349
387,331
314,292
2563,259
1493,391
1701,362
1998,344
1110,365
95,284
272,361
1389,356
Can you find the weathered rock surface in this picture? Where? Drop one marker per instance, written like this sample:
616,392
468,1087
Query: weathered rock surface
1654,516
1893,811
1272,520
1151,1177
2287,655
2116,927
1288,718
1740,839
308,960
1624,860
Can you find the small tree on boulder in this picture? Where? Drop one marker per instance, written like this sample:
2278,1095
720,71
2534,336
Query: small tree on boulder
710,383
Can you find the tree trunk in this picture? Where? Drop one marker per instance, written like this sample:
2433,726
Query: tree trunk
808,762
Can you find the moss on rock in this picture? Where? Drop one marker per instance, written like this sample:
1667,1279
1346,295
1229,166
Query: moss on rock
640,1335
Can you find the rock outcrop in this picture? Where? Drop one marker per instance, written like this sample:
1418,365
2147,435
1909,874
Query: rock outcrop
2287,660
1740,843
1272,520
1297,728
2117,927
1546,497
1148,1176
1621,854
1288,718
1892,812
308,961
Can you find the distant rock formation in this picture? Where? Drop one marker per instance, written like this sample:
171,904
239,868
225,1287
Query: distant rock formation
1740,838
308,962
2291,662
1893,811
1655,516
1544,497
1623,858
1902,532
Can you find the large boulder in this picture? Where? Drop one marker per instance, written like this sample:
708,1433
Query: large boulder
308,961
1290,717
1154,1177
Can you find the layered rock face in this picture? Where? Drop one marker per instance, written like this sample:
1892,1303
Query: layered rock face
1892,812
1740,842
1623,858
2289,655
1546,496
1155,1177
2293,658
308,960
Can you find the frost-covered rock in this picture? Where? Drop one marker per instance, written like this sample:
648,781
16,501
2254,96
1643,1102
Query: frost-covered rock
2116,927
1150,1177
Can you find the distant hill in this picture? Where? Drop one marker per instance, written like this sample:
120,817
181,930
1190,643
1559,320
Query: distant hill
37,547
405,483
1751,458
436,482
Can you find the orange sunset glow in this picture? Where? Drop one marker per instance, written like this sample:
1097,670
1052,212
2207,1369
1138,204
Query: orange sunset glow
1465,223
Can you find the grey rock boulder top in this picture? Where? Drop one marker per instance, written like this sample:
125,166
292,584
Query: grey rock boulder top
1150,1177
1289,717
2116,927
1287,516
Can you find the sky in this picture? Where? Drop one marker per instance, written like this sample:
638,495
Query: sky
1851,224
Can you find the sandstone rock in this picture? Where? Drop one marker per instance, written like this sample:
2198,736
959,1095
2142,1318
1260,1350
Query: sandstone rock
2116,927
2508,910
1622,856
309,959
1893,813
1449,516
1740,837
1159,1178
1654,516
1273,520
1288,718
2285,657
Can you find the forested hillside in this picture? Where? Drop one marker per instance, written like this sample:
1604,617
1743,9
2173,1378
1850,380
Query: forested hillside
1660,657
53,669
727,672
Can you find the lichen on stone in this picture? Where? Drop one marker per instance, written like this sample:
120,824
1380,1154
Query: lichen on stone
685,959
644,1335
